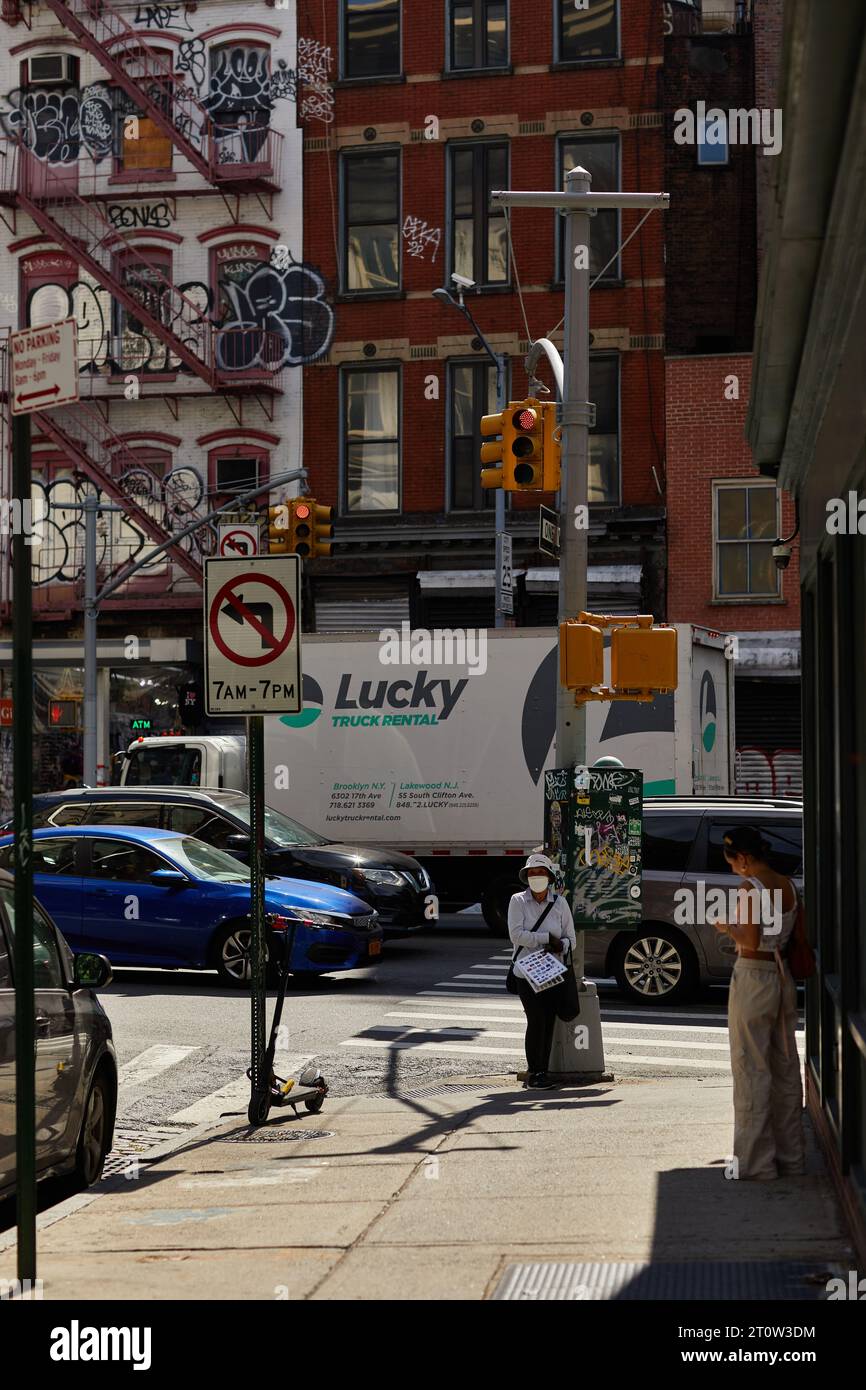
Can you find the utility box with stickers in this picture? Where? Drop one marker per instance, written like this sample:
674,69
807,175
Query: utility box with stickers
593,819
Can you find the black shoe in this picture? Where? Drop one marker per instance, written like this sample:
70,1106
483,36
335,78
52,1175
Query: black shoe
540,1081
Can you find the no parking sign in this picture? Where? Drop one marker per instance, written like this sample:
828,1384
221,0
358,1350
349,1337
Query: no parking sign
252,636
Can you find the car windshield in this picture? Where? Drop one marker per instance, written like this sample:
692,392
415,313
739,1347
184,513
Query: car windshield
279,829
205,861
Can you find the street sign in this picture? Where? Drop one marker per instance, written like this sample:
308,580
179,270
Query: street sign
236,540
252,636
548,532
504,572
44,366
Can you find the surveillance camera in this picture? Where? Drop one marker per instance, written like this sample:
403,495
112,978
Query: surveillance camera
463,281
781,556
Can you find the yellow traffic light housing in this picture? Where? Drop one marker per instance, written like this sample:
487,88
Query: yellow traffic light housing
492,452
279,529
323,530
643,659
552,450
581,655
524,446
301,541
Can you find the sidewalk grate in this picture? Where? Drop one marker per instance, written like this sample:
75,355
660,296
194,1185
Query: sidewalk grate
635,1281
274,1136
448,1088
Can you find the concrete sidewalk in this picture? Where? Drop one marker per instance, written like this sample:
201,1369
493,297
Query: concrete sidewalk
433,1196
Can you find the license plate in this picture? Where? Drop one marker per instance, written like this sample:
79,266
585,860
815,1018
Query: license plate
374,948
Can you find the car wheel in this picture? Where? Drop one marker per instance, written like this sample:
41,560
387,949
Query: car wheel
494,906
656,967
95,1129
231,955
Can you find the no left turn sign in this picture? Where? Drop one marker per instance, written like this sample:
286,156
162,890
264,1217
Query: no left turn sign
252,636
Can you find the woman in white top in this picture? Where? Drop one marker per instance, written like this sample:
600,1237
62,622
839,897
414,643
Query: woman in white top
528,933
762,1016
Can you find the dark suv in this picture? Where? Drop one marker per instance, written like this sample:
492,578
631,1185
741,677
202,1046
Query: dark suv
663,961
395,884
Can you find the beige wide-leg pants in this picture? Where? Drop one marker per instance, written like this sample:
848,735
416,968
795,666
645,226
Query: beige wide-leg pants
768,1096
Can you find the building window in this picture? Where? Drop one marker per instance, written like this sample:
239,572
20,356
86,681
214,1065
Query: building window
745,524
478,34
137,347
604,436
371,38
478,239
588,33
599,154
371,439
239,101
712,140
472,393
371,200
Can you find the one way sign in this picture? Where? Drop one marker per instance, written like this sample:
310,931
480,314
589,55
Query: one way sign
252,636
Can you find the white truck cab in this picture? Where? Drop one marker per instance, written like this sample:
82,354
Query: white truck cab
184,760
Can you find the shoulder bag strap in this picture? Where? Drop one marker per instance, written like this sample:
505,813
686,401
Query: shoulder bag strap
517,949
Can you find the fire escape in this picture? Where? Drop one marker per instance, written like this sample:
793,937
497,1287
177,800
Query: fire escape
234,363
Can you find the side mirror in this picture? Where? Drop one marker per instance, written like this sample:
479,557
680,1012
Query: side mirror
238,844
168,878
91,971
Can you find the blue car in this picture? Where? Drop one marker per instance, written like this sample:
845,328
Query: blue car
152,897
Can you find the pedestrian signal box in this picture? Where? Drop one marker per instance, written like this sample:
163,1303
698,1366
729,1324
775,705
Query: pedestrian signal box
581,655
643,659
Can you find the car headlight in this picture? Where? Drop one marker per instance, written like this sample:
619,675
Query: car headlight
381,876
305,918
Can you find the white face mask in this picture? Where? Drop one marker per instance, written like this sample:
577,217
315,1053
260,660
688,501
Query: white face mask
537,882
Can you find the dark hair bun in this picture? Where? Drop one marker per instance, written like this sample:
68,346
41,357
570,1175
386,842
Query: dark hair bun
746,839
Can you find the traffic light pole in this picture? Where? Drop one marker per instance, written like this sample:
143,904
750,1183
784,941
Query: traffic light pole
501,402
578,203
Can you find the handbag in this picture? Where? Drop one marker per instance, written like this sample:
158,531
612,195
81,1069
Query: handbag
799,953
511,978
567,1005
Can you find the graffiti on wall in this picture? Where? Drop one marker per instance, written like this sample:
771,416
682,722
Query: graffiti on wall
163,17
56,126
775,774
139,215
419,236
286,304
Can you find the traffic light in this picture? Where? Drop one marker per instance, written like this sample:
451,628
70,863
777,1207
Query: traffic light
551,465
493,452
63,714
322,529
524,427
279,527
581,655
643,658
301,527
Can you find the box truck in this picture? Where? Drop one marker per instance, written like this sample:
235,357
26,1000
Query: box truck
439,750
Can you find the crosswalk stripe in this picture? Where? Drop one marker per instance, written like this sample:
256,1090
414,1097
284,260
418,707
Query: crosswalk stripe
148,1064
235,1094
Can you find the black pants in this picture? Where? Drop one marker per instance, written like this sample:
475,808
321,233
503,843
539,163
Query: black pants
540,1018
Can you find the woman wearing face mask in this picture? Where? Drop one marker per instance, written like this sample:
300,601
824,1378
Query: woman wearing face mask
762,1017
538,918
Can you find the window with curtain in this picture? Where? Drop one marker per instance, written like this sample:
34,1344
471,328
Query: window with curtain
472,394
371,439
599,155
745,524
371,221
587,33
478,238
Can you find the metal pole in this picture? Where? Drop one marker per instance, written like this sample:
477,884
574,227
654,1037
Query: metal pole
91,614
501,403
22,772
260,1084
571,718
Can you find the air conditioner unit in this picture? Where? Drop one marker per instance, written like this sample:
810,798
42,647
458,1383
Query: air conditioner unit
53,70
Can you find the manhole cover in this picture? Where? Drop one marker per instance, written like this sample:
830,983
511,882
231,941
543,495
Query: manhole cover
711,1279
275,1136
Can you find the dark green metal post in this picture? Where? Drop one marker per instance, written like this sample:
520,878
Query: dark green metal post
260,1088
22,765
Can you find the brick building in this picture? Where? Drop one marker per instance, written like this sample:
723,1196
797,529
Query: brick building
722,519
148,189
431,107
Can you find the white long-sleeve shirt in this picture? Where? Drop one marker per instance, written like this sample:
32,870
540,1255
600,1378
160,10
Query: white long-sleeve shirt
524,911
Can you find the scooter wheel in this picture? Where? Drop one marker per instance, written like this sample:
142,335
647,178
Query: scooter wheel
258,1110
315,1104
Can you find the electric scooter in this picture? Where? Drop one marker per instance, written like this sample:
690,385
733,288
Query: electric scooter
311,1087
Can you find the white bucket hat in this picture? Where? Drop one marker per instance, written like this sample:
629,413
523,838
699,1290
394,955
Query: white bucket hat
537,861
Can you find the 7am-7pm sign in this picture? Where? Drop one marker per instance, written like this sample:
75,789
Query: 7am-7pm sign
44,366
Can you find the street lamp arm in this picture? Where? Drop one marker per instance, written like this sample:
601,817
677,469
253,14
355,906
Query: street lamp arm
544,347
125,574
